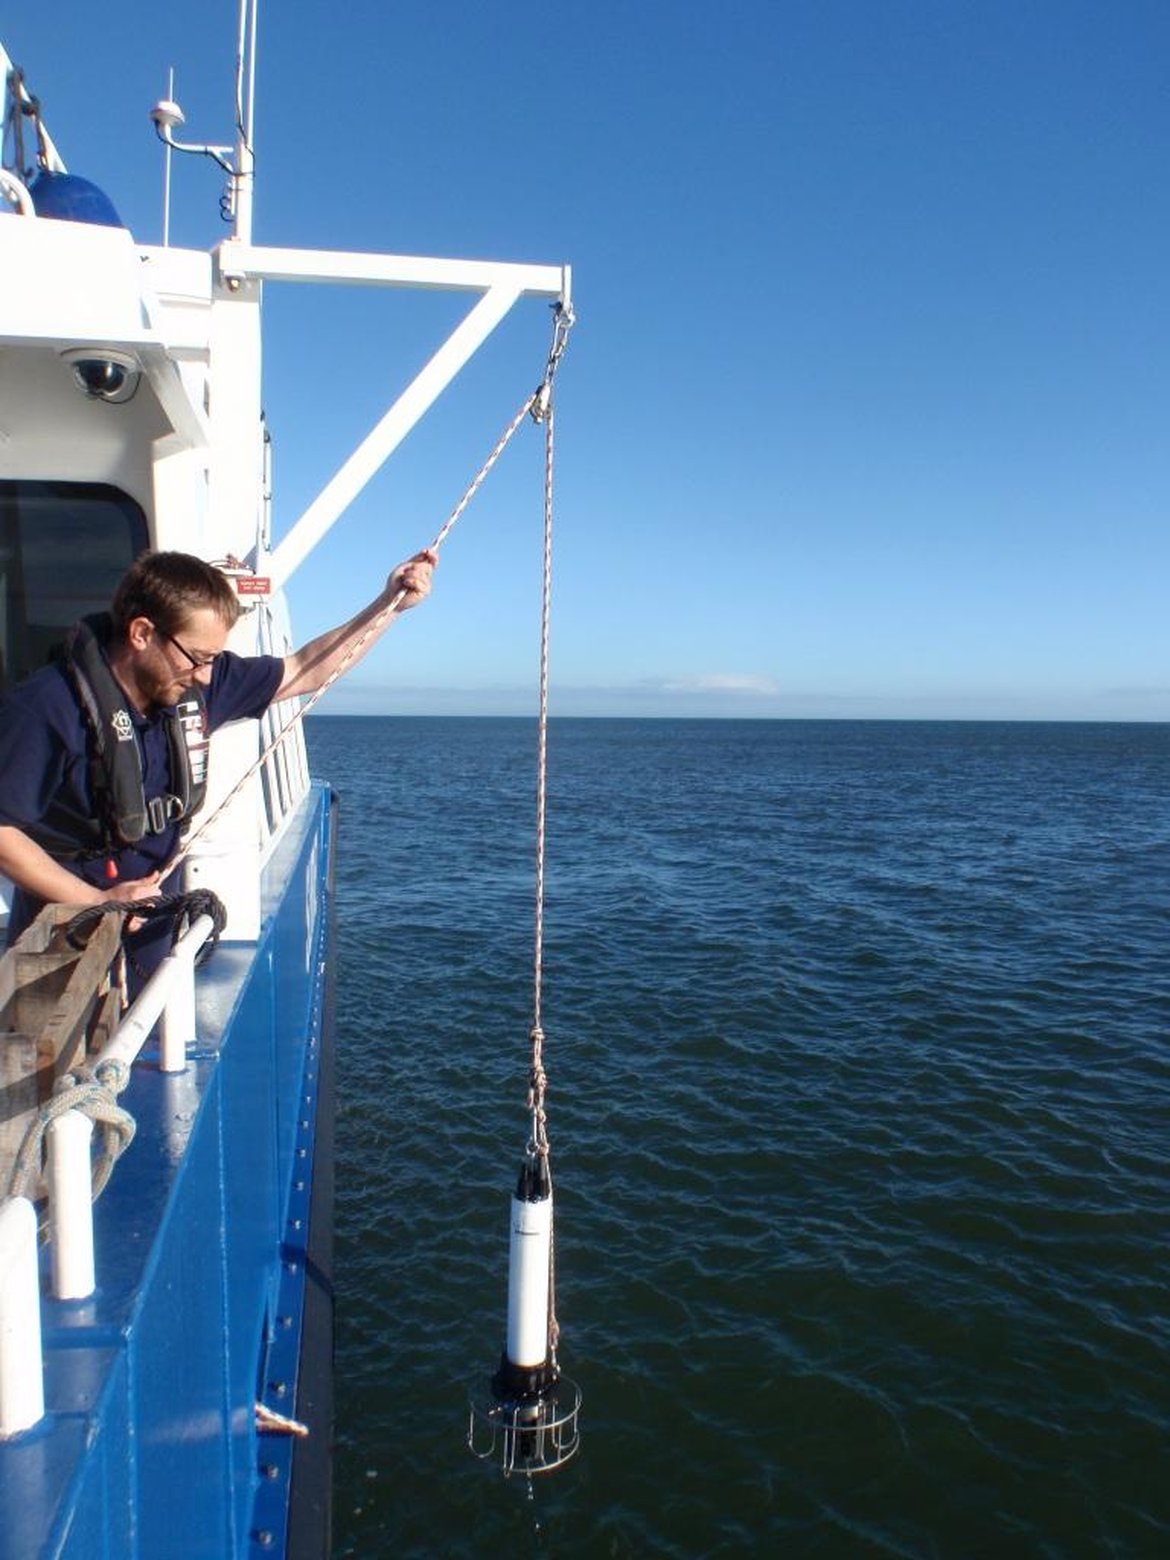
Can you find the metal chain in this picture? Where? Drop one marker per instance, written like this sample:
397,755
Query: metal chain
563,321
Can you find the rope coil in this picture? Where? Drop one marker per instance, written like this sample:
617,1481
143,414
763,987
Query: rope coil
93,1095
182,909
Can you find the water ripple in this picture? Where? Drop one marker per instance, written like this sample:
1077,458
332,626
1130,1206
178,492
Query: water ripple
859,1049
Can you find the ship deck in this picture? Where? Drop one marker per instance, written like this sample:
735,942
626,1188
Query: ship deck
210,1247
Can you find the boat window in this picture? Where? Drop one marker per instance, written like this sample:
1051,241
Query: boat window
63,548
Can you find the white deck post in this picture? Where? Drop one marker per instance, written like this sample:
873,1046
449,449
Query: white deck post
177,1027
22,1377
71,1205
178,967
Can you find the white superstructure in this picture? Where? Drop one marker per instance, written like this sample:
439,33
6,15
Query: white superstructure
188,444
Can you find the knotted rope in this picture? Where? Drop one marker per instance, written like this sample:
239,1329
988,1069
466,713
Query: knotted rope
93,1091
93,1094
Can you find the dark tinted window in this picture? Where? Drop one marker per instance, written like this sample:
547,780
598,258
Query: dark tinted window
63,548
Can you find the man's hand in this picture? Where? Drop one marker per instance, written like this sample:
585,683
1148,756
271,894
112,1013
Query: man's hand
127,893
413,578
331,653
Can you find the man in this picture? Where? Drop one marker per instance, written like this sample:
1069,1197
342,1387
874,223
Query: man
103,756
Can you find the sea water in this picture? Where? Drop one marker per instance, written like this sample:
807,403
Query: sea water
858,1039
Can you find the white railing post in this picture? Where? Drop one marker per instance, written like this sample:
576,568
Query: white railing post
177,1025
22,1375
71,1205
175,970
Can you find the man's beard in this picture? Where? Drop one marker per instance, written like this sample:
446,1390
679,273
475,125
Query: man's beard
162,691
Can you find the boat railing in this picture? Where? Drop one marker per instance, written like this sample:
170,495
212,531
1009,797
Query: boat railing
16,98
58,1129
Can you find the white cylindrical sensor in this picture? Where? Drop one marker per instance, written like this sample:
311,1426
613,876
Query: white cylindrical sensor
529,1260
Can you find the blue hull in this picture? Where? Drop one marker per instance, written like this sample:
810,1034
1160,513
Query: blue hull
213,1250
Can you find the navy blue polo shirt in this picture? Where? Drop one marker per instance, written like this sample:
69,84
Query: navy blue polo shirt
45,759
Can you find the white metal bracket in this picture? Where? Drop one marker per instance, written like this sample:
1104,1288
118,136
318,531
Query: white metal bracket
500,285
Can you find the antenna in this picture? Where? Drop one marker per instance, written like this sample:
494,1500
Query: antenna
245,120
167,116
169,113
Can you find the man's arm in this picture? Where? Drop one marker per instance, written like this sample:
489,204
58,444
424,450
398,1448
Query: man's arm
307,669
35,871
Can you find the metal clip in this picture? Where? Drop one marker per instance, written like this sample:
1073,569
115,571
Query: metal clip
541,400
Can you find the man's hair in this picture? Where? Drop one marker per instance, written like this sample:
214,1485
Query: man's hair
167,587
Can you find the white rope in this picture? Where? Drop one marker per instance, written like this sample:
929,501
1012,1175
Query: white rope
94,1094
538,1079
374,627
540,406
542,411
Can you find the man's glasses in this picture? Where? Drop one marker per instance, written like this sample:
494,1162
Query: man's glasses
199,662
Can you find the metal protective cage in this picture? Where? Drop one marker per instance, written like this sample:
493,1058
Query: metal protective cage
527,1435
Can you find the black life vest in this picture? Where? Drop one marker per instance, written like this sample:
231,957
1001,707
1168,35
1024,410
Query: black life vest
125,813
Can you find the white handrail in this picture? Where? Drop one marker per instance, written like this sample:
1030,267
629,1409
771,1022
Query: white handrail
163,986
15,191
169,994
52,155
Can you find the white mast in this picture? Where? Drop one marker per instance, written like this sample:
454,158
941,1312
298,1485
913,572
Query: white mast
238,161
243,179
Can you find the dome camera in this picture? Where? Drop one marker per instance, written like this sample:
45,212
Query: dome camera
104,375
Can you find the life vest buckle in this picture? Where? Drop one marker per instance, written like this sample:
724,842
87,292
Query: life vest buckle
161,812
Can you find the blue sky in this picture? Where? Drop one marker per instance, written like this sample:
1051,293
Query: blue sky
866,411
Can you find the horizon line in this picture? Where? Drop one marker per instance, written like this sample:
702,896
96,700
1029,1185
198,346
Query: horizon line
853,720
